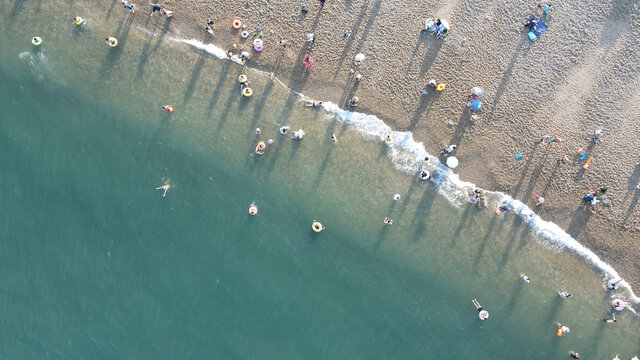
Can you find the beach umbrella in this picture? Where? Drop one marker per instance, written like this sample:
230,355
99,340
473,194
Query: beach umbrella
477,91
445,23
452,162
476,104
359,57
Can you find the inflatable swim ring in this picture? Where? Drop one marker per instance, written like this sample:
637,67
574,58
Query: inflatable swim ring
261,145
441,87
483,315
253,209
237,24
245,34
388,140
316,226
614,284
242,78
618,304
258,47
37,41
247,92
424,175
257,41
111,41
78,20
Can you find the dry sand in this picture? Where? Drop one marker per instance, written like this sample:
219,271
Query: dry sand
580,76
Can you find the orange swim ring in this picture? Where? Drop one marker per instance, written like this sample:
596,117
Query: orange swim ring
237,24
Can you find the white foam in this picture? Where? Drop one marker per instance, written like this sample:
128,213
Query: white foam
408,155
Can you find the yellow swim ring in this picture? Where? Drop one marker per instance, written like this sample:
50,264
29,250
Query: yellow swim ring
247,91
78,20
111,41
261,145
36,41
388,140
242,78
253,209
316,226
441,87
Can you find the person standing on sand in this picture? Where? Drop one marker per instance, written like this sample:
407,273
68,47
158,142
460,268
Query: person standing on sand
311,37
540,200
283,43
307,62
155,7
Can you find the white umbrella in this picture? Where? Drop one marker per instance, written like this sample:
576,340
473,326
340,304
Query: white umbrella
445,23
477,91
452,162
359,57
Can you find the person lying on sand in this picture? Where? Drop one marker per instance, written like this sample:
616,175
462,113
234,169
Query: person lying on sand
313,103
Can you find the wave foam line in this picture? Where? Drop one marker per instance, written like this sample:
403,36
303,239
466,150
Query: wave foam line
411,156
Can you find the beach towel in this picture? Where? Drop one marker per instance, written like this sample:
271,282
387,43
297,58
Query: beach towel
539,28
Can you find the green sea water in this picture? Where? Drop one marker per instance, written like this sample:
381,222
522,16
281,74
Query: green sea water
96,264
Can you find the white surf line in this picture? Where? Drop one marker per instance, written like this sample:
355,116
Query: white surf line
409,156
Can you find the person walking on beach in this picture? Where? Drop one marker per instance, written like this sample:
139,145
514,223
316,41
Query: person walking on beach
311,37
164,187
283,43
540,200
155,7
482,314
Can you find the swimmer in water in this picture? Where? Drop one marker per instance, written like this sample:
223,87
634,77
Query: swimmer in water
574,355
164,187
387,221
612,320
258,151
564,294
482,314
525,278
334,139
396,197
258,131
284,130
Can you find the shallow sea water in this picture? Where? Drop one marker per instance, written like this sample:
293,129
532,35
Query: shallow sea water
97,264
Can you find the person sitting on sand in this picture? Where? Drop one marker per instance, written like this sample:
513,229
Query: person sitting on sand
165,187
448,150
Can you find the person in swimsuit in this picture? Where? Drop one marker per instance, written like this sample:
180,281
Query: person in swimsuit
164,187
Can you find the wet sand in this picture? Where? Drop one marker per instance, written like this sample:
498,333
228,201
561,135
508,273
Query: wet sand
581,75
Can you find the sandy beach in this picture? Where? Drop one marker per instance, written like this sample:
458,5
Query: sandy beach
580,76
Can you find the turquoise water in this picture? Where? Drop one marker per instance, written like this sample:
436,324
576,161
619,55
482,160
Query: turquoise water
97,264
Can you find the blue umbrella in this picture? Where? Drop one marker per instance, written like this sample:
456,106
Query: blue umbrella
476,104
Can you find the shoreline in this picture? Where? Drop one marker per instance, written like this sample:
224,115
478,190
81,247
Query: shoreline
512,117
411,153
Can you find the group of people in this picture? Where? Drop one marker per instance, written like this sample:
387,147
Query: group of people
154,7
